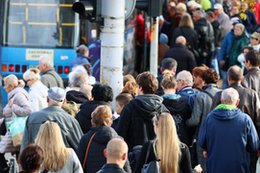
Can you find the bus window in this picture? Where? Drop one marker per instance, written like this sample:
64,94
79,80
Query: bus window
41,23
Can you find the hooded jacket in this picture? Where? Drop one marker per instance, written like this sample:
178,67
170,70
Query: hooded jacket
228,135
95,157
136,120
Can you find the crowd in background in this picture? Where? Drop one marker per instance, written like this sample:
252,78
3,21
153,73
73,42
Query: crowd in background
183,121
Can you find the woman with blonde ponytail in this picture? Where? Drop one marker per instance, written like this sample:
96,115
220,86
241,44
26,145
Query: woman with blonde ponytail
174,156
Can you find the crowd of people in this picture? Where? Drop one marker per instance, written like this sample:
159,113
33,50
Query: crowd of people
182,121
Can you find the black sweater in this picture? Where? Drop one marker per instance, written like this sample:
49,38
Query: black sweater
184,164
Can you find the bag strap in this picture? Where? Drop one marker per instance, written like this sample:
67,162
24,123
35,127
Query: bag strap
209,94
86,153
148,152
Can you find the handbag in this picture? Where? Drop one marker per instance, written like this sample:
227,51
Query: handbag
16,128
153,166
86,153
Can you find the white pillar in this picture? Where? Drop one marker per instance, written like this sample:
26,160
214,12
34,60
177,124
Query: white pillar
154,46
112,44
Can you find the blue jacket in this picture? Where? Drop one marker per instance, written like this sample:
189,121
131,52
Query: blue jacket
226,45
228,136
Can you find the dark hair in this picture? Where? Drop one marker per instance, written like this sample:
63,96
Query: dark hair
148,82
88,68
207,74
124,98
168,63
253,57
235,73
102,92
31,158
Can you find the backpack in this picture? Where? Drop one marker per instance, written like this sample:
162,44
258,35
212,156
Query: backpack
153,166
190,94
134,155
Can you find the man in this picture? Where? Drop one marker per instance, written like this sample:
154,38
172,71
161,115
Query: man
136,120
183,56
82,56
70,128
249,102
227,136
248,18
223,20
255,41
116,154
167,64
184,86
252,78
206,37
49,77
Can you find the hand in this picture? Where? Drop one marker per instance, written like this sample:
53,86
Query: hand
198,169
10,103
222,62
205,154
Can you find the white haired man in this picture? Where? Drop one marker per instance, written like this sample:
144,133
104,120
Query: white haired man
49,77
228,136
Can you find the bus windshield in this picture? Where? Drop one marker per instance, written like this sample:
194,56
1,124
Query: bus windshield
40,23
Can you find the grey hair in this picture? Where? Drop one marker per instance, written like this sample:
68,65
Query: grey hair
241,26
11,79
229,96
78,76
186,77
47,60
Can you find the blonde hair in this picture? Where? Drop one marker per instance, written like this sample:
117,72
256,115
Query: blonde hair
11,80
167,147
168,81
55,153
186,21
32,74
181,7
102,116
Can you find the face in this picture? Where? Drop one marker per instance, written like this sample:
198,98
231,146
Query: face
8,88
254,41
119,108
244,6
180,84
42,67
198,82
237,31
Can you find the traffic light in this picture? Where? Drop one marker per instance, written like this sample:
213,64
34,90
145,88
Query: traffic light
152,7
88,9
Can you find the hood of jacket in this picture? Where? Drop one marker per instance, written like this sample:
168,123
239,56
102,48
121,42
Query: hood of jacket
225,114
103,134
16,90
148,105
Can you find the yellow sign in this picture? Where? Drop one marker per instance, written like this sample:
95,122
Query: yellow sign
35,54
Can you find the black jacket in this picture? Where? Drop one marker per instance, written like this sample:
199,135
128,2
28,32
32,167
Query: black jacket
183,56
95,157
180,110
136,120
111,168
76,96
84,115
190,35
184,164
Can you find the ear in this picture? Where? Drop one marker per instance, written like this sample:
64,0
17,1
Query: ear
105,153
92,123
124,156
237,103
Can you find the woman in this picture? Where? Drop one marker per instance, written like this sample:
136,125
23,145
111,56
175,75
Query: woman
31,159
97,138
18,105
57,158
38,91
186,29
174,156
177,105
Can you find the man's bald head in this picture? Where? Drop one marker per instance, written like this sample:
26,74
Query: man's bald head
116,151
235,73
181,40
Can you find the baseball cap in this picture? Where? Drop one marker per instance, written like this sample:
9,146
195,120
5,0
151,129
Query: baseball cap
217,6
256,35
56,94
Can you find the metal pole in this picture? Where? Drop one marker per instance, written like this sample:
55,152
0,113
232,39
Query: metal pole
112,44
154,46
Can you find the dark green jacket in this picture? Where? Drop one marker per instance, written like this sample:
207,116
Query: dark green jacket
239,43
